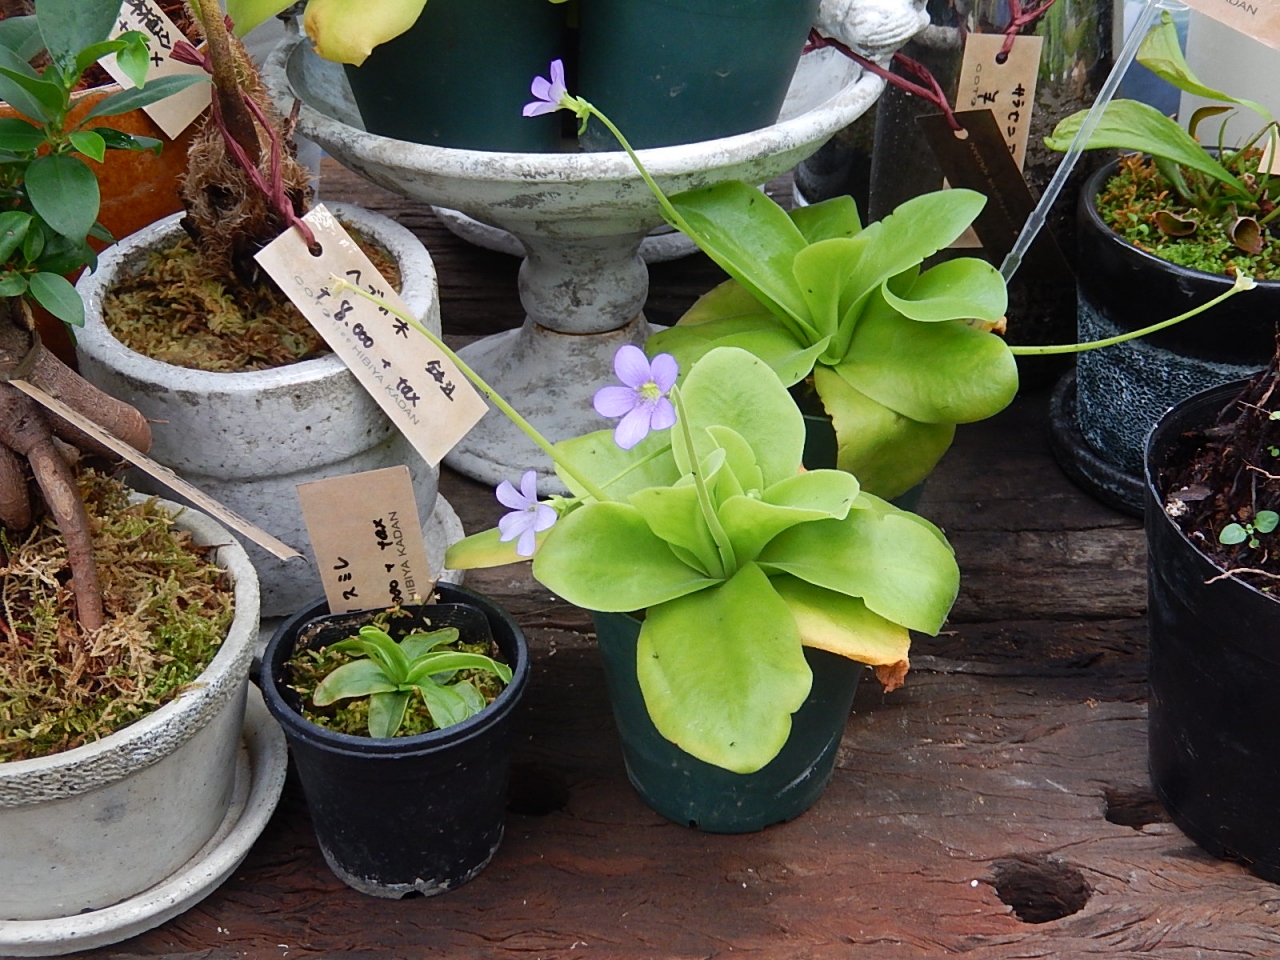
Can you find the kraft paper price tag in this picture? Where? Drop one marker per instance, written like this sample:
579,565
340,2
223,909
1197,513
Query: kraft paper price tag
160,472
1259,19
172,114
1007,89
420,389
367,540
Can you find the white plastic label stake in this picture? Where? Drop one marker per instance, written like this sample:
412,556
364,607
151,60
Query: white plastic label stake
367,540
172,114
420,389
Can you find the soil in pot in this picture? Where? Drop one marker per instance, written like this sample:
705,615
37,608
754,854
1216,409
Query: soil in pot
168,609
177,311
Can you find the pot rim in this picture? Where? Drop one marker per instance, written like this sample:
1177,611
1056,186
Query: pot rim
418,289
81,769
1088,211
296,724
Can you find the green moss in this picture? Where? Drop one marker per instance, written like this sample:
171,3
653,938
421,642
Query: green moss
168,608
1129,202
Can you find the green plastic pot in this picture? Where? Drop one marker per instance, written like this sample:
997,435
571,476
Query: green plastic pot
683,71
689,791
460,76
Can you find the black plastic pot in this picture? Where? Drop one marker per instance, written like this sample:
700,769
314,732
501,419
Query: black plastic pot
689,791
1214,673
1121,391
682,71
403,814
460,76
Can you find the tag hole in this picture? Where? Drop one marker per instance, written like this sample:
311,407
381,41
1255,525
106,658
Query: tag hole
1002,58
315,249
961,134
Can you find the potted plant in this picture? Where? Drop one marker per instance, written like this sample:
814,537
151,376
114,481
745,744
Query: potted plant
436,56
1160,231
247,433
161,636
1211,499
756,582
417,804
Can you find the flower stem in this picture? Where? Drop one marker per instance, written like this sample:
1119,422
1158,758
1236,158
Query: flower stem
1242,283
529,429
728,560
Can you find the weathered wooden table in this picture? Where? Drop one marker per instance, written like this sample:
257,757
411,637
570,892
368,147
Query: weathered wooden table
997,806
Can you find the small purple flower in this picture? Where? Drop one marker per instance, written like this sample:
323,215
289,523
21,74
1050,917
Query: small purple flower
528,516
642,403
548,92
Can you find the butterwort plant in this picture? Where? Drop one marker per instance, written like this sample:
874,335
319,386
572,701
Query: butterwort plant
49,195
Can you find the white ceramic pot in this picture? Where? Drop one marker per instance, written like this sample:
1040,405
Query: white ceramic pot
247,439
90,827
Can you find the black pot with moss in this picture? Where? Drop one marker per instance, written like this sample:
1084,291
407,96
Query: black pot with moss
404,814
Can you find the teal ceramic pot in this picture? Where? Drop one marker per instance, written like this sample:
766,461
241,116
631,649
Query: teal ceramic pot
460,76
687,790
683,71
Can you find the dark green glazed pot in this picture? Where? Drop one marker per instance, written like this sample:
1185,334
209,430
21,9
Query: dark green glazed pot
460,76
682,71
685,789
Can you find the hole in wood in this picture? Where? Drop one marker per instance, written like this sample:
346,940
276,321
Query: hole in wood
1133,807
536,789
1039,889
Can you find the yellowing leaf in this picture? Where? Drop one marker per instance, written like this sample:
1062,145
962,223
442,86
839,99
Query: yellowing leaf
348,30
841,624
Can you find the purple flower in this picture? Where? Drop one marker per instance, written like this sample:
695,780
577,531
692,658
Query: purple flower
548,92
642,403
528,516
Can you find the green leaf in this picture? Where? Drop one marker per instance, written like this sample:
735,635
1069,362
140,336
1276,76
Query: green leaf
449,661
135,57
138,97
247,14
64,193
932,372
471,697
1265,521
817,495
13,228
416,644
731,388
741,472
842,624
722,671
68,26
887,452
19,136
1232,533
837,217
56,294
899,568
33,242
446,706
14,285
1130,125
386,712
91,54
118,140
1161,53
484,549
34,97
21,36
378,646
618,472
359,678
673,515
62,255
960,289
753,239
89,143
603,556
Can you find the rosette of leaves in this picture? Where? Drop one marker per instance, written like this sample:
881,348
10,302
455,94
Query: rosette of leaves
389,673
48,192
898,355
738,558
1230,190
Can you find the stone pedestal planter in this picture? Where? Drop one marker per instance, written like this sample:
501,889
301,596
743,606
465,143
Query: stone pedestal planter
248,439
87,828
